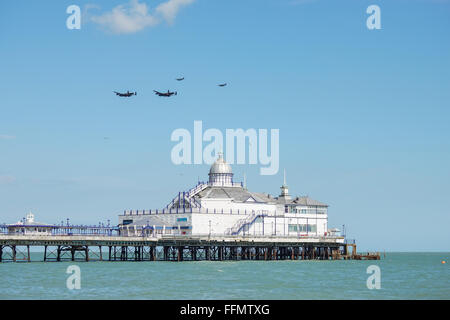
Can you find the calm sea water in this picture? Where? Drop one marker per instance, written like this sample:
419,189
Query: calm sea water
403,276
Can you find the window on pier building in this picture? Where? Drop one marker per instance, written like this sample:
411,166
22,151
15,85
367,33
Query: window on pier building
289,209
302,228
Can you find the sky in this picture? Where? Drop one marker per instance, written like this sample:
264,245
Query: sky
363,114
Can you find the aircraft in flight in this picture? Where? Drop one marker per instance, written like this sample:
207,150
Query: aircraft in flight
126,94
165,94
222,85
179,79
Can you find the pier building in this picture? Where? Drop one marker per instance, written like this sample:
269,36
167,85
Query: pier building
224,207
28,226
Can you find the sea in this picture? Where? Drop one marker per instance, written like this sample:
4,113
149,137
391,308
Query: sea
400,275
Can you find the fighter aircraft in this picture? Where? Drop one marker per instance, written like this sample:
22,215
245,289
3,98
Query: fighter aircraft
179,79
126,94
165,94
222,85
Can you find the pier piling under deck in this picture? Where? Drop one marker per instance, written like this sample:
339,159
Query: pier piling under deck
15,248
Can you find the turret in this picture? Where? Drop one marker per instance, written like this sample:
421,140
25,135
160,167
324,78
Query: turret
285,189
220,173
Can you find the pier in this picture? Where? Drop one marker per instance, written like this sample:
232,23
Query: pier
16,248
218,220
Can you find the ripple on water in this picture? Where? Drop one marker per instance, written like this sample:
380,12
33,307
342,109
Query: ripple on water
403,276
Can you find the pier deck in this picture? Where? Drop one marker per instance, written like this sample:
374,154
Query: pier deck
16,248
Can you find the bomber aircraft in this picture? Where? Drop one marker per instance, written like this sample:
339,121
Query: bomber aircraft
126,94
165,94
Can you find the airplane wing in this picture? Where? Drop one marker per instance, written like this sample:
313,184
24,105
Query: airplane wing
161,94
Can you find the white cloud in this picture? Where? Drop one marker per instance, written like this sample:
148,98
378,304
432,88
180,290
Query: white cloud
128,18
169,9
135,16
6,137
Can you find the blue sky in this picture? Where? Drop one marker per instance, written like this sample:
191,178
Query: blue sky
363,114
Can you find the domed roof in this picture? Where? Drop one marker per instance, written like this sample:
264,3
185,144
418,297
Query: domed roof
220,166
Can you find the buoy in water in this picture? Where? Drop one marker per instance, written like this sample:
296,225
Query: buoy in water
443,262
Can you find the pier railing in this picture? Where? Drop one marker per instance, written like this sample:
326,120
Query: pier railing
62,230
186,196
242,223
177,210
247,236
195,210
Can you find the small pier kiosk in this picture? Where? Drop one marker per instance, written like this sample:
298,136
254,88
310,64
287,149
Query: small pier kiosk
28,226
215,220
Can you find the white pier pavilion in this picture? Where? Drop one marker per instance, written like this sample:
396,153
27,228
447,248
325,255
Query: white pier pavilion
223,207
28,226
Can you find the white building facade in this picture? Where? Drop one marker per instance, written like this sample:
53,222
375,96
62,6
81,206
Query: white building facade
28,226
223,207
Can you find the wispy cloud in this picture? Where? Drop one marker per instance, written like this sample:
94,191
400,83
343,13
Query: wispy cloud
136,16
55,182
7,179
169,10
6,137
